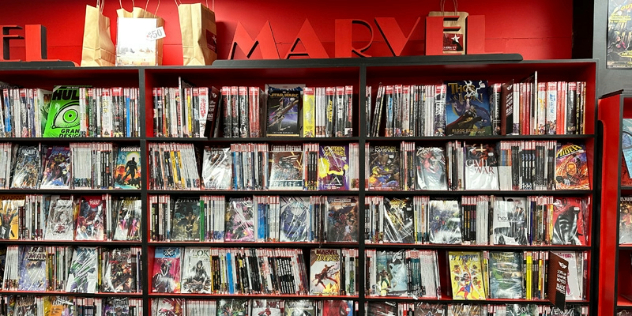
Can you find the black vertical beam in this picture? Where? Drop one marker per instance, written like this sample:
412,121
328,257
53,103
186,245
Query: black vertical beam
143,191
361,204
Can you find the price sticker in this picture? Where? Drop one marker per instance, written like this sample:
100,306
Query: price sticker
156,34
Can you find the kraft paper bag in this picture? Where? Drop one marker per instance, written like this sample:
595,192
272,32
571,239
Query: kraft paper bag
199,34
454,42
97,49
135,46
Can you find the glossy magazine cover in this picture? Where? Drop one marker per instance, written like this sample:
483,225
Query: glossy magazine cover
26,169
467,108
466,275
571,167
118,273
481,167
341,224
127,168
90,219
32,269
196,270
333,168
56,172
324,271
384,164
186,220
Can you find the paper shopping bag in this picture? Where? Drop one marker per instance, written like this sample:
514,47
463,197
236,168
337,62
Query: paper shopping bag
97,48
199,34
139,38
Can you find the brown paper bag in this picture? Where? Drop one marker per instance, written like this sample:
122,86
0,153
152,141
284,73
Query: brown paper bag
97,49
136,33
454,42
199,34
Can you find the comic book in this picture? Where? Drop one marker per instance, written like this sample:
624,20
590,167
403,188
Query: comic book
286,168
333,168
467,108
284,107
128,219
626,143
233,307
56,170
324,272
465,310
384,167
217,168
63,119
83,275
295,219
426,309
127,168
90,219
117,306
626,179
571,167
381,309
60,221
25,306
625,220
510,224
9,211
521,309
26,169
240,221
267,307
445,222
392,273
166,272
481,167
118,272
196,270
32,268
337,308
568,221
575,278
302,307
506,275
430,167
398,220
185,224
59,306
341,224
466,275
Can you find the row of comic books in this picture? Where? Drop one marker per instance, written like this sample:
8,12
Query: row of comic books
507,165
13,305
475,108
254,307
428,309
183,111
23,112
78,166
256,219
327,112
72,270
173,167
254,271
242,112
55,217
478,220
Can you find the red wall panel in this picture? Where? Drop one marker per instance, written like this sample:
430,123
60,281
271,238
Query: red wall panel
537,29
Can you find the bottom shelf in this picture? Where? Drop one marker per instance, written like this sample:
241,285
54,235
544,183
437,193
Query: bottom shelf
624,302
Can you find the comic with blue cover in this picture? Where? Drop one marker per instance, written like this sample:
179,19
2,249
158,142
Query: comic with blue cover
445,222
295,219
127,168
32,269
467,108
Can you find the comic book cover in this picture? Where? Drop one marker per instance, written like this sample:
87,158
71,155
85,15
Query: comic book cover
392,273
128,219
445,222
59,306
337,308
626,143
481,167
196,271
295,219
467,108
90,219
430,167
464,310
427,309
619,53
26,169
568,221
506,275
571,167
385,168
575,278
217,168
466,276
267,307
333,168
63,119
510,221
234,307
9,220
127,168
625,220
302,307
240,221
381,309
398,220
324,272
32,268
166,273
626,179
83,275
56,171
117,306
186,220
25,306
284,106
521,309
572,310
60,221
118,273
286,168
342,219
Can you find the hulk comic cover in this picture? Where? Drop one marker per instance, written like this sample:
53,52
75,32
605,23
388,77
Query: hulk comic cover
467,108
384,167
333,168
466,275
324,272
127,168
63,118
571,167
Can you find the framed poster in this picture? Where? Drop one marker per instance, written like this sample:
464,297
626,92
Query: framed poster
619,50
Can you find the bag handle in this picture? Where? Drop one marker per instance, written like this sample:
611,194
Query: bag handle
212,3
101,6
157,6
454,2
121,4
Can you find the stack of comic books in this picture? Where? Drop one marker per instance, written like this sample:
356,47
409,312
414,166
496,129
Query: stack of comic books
68,305
92,165
24,112
173,167
183,111
328,111
494,309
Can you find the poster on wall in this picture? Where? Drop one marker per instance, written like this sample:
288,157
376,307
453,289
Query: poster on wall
619,50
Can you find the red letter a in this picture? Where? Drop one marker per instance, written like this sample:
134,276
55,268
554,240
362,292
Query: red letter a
313,47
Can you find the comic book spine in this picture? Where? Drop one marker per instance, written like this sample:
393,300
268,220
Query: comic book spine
377,112
214,110
367,109
348,120
439,110
551,107
405,108
234,106
227,109
571,108
507,109
242,95
390,112
309,112
582,111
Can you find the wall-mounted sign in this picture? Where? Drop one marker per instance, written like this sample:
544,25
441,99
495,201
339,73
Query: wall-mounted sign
35,42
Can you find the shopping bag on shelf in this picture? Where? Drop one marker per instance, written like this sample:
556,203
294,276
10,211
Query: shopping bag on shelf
199,34
97,48
454,42
139,38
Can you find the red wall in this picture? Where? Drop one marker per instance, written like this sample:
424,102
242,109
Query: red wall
537,29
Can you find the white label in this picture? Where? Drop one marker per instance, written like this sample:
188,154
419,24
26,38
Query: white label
156,34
